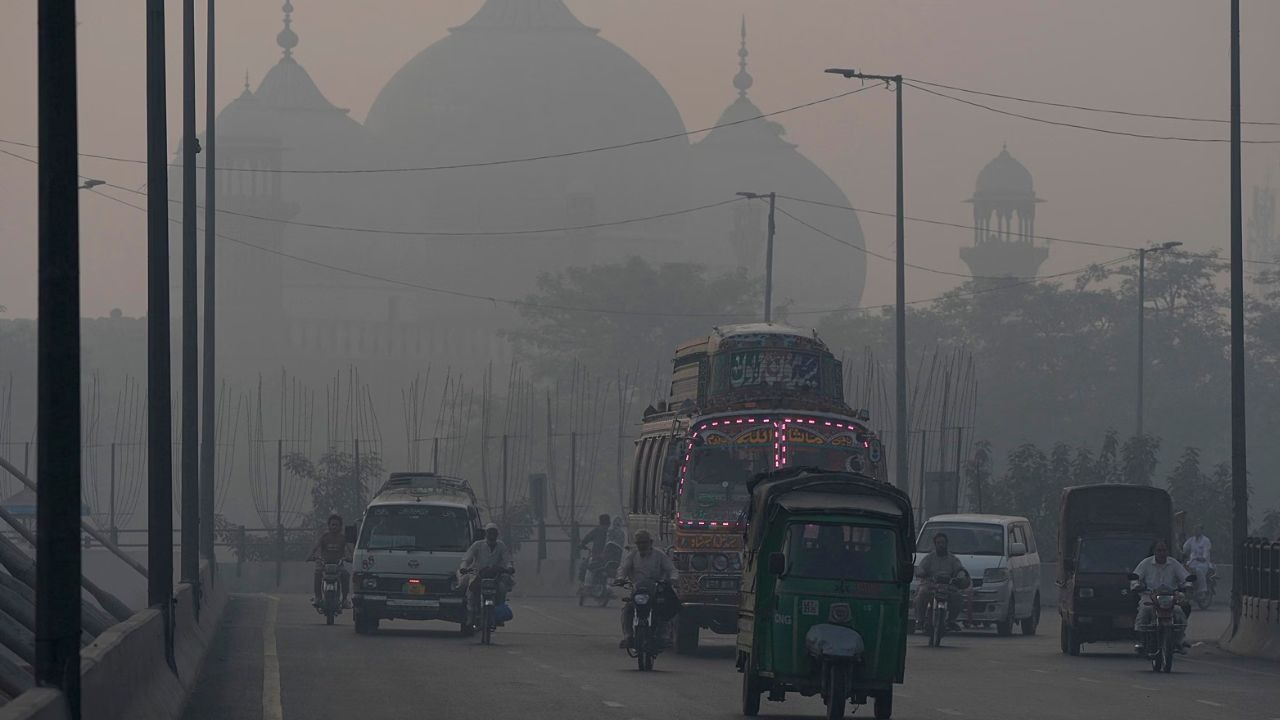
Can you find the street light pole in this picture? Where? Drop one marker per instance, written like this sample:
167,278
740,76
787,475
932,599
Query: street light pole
1142,313
768,254
208,420
901,436
57,611
190,556
1239,479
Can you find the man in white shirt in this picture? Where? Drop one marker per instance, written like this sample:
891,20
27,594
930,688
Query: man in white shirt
645,566
1155,573
1196,553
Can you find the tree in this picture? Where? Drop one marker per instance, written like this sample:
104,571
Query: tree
655,308
1139,459
977,473
334,486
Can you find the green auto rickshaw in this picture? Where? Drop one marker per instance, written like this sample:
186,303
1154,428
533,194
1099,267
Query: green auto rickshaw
825,589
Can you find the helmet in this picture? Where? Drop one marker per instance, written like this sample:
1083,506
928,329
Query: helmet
491,526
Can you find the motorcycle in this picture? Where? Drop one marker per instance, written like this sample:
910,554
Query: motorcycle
1160,640
938,611
331,598
646,629
1204,593
486,621
599,573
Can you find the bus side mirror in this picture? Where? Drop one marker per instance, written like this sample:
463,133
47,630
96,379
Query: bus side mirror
351,534
777,563
671,466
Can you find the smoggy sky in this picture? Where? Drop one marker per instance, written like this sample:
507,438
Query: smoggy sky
1159,56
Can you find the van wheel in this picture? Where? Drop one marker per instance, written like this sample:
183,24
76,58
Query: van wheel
1004,628
1029,624
1070,644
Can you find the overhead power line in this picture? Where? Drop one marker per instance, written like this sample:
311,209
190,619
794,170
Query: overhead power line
589,310
1086,108
488,163
1078,126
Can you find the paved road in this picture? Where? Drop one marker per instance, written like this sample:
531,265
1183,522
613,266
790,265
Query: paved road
275,659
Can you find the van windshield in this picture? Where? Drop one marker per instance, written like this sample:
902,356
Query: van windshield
416,527
964,538
1115,554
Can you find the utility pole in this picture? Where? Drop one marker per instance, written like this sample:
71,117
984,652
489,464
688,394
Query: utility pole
111,508
190,350
159,387
208,437
768,253
1142,313
1239,479
901,436
504,485
279,510
57,626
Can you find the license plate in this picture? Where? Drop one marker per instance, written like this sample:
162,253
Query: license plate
414,589
720,585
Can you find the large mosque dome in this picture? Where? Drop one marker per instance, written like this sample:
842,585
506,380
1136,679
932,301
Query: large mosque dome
818,258
526,78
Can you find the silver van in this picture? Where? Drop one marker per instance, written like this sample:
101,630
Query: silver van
999,552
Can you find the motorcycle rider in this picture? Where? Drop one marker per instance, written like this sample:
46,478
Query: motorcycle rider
596,538
1156,573
487,553
332,547
617,533
645,565
938,562
1195,553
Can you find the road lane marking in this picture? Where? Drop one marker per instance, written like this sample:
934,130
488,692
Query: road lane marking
1089,680
271,707
948,711
1210,703
1144,687
548,616
612,704
1038,670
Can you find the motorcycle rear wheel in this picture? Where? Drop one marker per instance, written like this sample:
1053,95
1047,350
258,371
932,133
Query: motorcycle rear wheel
486,625
939,625
1166,651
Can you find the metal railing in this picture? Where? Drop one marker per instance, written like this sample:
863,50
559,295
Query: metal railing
1262,568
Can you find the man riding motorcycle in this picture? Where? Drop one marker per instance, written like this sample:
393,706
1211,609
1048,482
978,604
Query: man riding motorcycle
332,548
487,553
597,539
1161,572
1195,553
938,562
644,566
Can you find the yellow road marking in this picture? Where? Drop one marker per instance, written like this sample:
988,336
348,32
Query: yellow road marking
271,707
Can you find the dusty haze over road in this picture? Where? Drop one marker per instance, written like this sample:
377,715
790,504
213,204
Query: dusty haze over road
1160,56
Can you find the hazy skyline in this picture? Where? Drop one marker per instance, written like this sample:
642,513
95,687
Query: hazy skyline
1155,56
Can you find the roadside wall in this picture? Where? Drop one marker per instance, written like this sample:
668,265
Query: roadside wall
124,673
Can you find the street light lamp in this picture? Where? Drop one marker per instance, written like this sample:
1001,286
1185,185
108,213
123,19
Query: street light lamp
768,255
1142,312
90,183
901,438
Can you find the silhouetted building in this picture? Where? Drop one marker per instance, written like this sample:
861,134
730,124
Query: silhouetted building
1004,218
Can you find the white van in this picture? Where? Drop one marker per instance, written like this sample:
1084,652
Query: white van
999,553
411,540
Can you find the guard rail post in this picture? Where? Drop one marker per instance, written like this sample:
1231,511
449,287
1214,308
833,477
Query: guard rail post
242,543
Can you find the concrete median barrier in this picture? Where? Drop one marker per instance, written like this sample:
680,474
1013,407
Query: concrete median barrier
1259,632
124,672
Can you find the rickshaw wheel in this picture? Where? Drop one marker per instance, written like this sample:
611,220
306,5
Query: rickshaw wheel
837,693
750,690
884,705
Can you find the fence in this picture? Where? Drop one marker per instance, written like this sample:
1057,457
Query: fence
1262,568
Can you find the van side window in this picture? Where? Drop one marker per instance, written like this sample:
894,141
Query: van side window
1029,538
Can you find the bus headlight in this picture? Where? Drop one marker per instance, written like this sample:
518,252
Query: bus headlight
699,562
720,563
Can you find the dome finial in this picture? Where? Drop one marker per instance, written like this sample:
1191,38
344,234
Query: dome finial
246,80
287,38
743,80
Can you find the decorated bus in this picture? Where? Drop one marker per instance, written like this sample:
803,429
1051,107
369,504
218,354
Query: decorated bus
745,400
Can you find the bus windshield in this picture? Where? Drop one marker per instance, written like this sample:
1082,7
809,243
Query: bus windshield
715,484
416,527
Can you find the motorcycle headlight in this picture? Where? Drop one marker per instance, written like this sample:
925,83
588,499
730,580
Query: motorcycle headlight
641,599
1165,602
720,563
699,562
995,575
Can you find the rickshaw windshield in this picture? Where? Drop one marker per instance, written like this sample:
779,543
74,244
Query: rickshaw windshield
842,552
